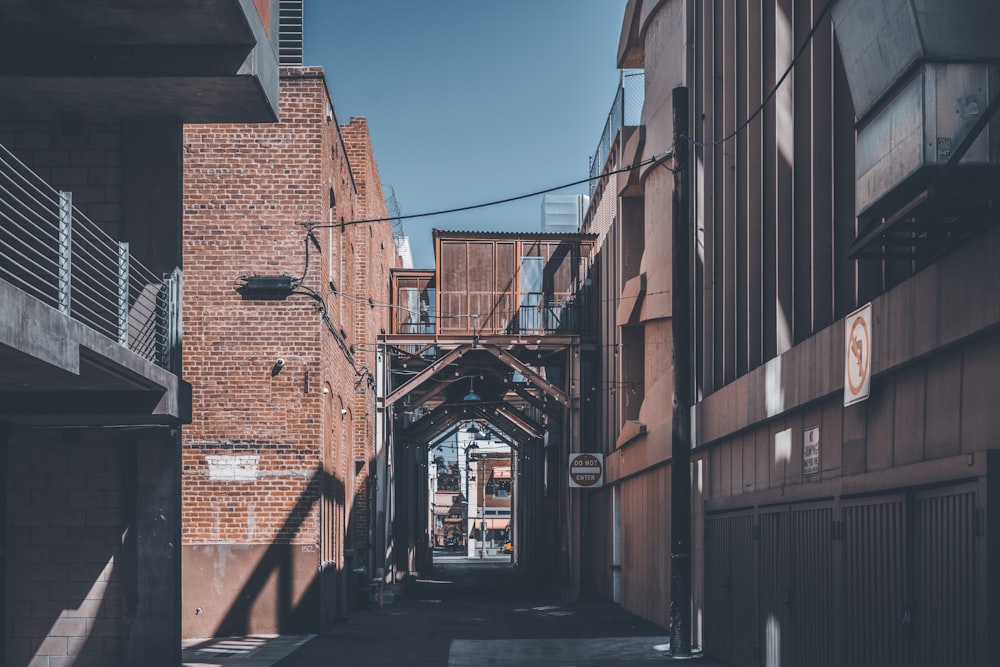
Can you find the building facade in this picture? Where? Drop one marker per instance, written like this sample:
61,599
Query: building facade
92,397
284,295
631,386
837,162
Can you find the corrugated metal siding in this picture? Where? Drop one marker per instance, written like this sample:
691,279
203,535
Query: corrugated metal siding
944,618
880,581
875,571
775,632
812,620
730,577
646,544
598,543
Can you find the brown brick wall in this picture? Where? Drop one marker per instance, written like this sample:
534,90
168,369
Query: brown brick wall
266,446
83,159
375,255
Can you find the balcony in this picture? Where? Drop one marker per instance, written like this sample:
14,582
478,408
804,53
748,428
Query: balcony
498,284
80,313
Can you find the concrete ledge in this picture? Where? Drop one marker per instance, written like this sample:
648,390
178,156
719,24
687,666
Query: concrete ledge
54,366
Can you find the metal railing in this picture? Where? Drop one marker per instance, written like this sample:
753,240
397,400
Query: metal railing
567,314
626,111
54,253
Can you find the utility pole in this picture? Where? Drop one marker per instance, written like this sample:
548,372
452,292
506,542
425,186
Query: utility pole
680,464
482,524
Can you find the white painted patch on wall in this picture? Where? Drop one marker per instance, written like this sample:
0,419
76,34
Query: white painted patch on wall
774,392
783,446
241,468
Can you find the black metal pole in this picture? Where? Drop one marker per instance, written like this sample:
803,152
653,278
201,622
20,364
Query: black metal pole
680,465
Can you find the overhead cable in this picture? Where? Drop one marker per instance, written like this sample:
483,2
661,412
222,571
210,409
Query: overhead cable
656,159
774,91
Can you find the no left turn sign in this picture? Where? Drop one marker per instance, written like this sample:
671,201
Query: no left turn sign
586,471
857,355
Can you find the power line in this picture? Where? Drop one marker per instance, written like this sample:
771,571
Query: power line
656,159
774,91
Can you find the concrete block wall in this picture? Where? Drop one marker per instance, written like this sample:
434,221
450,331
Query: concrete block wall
70,494
64,599
83,158
267,445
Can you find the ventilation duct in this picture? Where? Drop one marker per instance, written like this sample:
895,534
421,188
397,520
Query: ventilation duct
924,77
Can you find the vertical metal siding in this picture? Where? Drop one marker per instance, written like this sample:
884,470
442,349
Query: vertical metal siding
811,591
705,129
774,634
730,589
875,573
943,613
598,543
718,590
774,201
646,544
802,166
728,264
823,278
892,584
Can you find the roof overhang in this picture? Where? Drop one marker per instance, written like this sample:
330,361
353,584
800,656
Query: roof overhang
202,61
59,372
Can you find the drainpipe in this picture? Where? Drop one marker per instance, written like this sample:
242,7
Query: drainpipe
680,465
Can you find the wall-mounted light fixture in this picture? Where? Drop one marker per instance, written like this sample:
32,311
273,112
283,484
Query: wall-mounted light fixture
266,288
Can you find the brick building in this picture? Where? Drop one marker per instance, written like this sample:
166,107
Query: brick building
93,97
278,461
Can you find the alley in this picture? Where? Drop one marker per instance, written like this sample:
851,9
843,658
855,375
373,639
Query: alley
687,308
469,612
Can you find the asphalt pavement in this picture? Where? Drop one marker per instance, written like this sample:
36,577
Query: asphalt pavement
468,611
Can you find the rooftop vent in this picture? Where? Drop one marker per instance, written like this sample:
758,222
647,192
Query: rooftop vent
290,33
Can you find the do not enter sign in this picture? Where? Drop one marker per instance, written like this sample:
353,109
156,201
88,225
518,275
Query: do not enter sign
586,471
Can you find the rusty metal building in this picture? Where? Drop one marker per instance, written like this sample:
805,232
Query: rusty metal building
842,162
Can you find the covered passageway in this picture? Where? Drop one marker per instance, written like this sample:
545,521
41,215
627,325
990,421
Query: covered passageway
490,343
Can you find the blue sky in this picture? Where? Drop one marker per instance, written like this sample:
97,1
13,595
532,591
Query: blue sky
471,101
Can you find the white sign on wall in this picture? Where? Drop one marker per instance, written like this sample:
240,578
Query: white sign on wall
810,451
241,468
857,355
586,471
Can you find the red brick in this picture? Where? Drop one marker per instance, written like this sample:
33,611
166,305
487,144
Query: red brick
246,190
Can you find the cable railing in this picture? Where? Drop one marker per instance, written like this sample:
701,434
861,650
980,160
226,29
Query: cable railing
54,253
626,111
